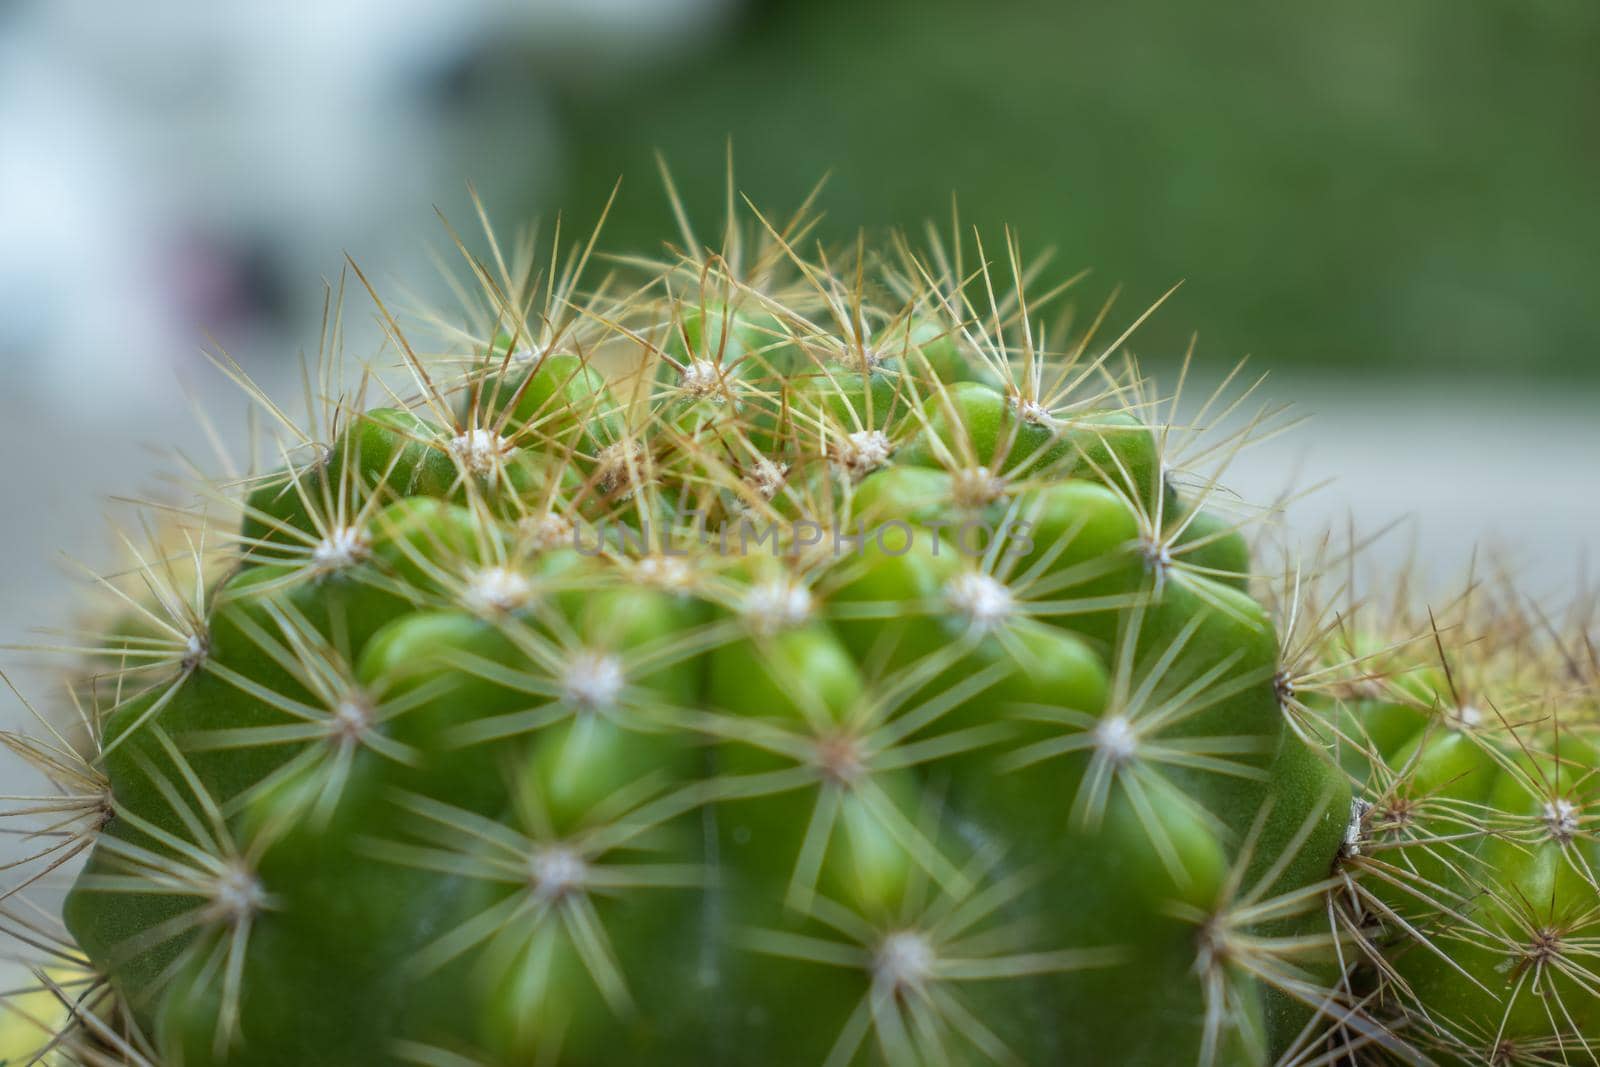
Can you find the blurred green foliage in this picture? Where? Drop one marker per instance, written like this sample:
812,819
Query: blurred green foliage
1407,183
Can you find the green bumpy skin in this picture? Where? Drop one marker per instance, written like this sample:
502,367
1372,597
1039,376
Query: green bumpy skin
790,697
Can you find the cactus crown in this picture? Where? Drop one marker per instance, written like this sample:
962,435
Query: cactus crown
773,655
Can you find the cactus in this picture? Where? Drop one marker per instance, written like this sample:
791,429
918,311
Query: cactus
757,656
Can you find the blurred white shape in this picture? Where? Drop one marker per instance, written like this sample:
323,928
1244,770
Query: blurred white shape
77,298
166,164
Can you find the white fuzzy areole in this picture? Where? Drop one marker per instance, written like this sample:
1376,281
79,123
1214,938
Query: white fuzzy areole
344,547
702,378
777,604
666,572
1561,818
195,650
547,531
497,589
557,871
1034,413
984,601
976,487
905,960
621,467
594,680
1466,717
236,895
1116,738
481,451
352,718
863,452
767,478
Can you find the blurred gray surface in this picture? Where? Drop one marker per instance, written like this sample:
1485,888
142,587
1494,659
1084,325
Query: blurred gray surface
1509,473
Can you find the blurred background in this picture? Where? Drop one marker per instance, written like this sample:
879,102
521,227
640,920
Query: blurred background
1391,207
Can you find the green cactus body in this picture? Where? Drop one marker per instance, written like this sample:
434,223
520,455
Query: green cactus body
899,713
